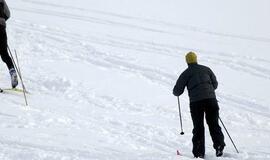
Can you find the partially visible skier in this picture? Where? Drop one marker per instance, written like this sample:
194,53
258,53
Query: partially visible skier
4,15
201,84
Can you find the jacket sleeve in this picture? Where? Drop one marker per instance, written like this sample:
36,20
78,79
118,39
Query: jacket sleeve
213,79
180,84
6,11
1,5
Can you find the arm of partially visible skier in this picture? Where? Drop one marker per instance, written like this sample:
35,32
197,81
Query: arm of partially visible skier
6,10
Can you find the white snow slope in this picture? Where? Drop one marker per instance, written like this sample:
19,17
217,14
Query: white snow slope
100,75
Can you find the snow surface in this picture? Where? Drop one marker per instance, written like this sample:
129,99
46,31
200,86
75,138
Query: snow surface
100,75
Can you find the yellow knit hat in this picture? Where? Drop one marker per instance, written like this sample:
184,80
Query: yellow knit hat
191,57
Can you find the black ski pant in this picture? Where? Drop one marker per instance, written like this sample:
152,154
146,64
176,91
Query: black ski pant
211,109
3,48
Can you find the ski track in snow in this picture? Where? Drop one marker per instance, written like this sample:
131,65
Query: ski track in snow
125,17
145,134
233,62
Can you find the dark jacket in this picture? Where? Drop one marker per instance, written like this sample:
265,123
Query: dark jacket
4,12
200,81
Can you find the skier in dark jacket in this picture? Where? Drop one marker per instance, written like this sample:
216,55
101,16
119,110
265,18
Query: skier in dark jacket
201,84
4,15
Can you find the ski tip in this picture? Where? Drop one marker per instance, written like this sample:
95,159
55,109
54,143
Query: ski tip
178,153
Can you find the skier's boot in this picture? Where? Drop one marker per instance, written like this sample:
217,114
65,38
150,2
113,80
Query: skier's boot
199,156
14,77
198,149
219,151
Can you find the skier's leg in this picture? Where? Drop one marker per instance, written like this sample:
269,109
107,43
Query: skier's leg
197,114
212,115
6,58
3,48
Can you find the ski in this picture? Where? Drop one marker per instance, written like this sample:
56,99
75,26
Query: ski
12,89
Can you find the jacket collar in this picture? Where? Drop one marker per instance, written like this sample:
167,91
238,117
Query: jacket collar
192,64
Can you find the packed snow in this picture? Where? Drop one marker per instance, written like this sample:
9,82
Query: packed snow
100,75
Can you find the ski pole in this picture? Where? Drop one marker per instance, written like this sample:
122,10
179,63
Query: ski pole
181,125
228,135
19,70
19,73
